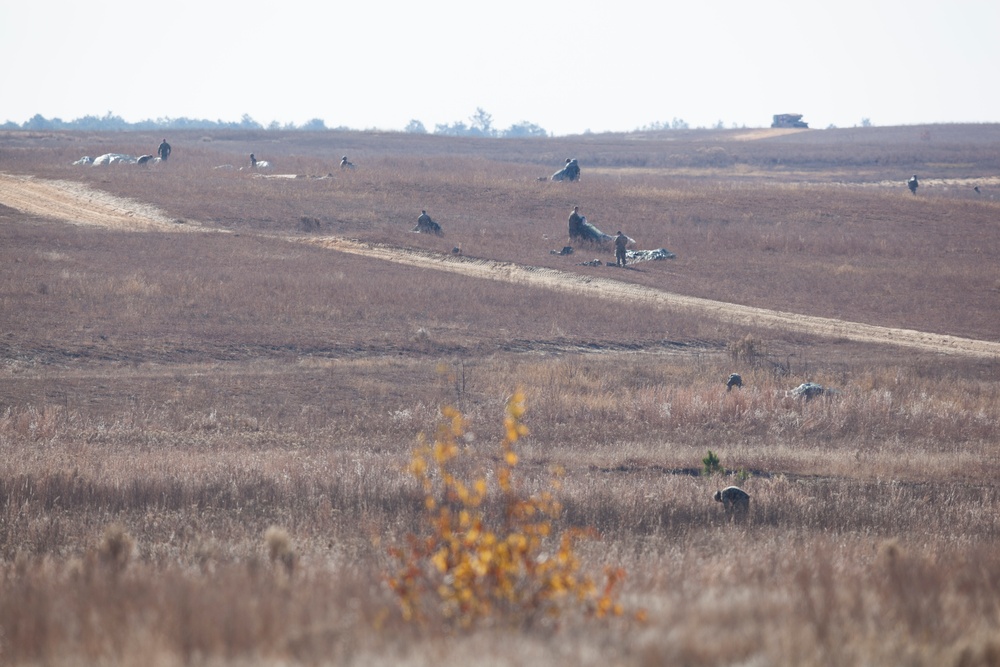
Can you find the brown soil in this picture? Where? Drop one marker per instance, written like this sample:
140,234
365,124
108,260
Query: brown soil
78,204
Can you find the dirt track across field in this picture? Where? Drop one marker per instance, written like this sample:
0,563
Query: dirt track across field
76,203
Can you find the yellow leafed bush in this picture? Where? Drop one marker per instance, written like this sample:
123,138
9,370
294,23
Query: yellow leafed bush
486,551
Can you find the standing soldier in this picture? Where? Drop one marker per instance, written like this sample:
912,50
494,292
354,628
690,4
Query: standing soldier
164,150
575,223
253,161
620,242
572,169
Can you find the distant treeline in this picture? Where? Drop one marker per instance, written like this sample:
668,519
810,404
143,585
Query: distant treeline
111,122
480,125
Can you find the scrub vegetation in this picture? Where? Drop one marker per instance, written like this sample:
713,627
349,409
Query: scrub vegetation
227,446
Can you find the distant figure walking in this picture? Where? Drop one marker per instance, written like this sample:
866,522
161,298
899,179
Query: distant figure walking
426,225
253,161
163,151
912,184
575,223
733,498
620,242
344,164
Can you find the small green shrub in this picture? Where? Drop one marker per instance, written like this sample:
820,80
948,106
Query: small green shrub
711,465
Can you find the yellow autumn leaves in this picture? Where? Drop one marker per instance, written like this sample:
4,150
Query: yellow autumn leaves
487,551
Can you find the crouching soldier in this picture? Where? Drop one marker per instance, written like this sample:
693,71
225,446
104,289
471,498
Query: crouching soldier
733,498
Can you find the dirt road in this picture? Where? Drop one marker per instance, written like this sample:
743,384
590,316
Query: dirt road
76,203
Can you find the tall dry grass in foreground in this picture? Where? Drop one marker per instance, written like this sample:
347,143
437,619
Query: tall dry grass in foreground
851,551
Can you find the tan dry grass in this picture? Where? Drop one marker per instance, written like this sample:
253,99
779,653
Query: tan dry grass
196,390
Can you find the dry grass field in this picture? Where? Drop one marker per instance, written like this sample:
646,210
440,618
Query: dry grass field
213,382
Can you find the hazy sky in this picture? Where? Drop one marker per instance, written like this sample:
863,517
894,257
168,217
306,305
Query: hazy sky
568,66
